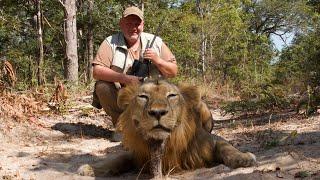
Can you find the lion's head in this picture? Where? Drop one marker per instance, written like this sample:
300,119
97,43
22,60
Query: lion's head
154,108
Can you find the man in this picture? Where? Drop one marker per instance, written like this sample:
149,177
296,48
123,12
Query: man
113,63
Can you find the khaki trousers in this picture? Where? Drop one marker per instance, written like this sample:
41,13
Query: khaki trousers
107,94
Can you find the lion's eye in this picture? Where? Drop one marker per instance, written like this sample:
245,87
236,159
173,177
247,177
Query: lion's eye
142,99
172,95
142,96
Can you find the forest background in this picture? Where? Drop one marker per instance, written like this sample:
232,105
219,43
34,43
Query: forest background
222,44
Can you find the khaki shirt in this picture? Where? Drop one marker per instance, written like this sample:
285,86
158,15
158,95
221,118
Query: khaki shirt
114,53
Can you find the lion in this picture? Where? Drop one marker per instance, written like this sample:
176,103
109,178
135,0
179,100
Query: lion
166,128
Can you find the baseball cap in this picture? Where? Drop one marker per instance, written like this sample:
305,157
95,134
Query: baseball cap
133,11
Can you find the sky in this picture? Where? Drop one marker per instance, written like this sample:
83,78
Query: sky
278,42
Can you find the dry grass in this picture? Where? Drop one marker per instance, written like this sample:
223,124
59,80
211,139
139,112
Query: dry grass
19,106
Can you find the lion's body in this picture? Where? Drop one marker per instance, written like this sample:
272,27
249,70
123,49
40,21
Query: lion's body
176,116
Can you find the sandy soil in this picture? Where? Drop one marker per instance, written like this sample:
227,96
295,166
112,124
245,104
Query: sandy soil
51,146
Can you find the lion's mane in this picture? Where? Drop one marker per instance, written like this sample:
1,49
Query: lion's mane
186,147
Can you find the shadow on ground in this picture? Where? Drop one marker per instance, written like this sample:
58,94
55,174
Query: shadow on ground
70,163
83,130
258,119
279,141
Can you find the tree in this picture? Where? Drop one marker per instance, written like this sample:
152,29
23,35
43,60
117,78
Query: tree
70,34
300,63
201,11
90,41
40,63
276,17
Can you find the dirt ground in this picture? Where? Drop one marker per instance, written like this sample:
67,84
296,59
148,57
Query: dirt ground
54,146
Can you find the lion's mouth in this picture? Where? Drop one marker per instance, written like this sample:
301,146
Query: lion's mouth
161,128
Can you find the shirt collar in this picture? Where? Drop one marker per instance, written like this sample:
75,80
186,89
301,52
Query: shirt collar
121,42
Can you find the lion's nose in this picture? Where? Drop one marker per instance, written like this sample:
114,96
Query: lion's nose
157,113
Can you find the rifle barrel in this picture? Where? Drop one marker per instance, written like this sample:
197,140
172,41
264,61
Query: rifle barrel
157,32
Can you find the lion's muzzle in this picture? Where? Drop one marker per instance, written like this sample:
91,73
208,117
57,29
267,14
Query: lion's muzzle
157,113
162,128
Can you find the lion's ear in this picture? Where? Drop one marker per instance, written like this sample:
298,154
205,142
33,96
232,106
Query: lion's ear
125,96
190,93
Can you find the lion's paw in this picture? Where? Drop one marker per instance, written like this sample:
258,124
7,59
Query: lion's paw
251,160
85,170
241,160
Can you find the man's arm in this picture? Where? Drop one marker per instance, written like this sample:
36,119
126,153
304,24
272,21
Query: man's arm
166,64
101,67
107,74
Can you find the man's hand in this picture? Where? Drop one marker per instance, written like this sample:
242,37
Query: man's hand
166,64
131,80
151,55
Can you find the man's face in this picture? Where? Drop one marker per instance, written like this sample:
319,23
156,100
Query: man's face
131,26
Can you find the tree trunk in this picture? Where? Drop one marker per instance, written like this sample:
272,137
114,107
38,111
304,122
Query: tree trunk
203,54
203,39
40,63
90,42
142,5
70,35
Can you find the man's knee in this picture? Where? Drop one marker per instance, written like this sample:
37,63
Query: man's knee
107,95
103,87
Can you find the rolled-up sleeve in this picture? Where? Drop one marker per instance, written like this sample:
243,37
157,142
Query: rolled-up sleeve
166,54
104,55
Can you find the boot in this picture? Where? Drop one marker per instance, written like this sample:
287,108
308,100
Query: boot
116,136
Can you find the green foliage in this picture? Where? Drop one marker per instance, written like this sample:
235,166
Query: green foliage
310,100
302,174
271,144
303,59
263,99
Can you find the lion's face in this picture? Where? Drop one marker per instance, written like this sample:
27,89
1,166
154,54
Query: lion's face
154,109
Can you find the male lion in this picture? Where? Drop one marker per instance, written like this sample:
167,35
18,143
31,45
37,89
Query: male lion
164,128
